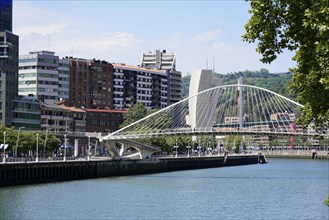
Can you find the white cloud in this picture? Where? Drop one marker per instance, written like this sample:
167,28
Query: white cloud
39,29
28,19
206,36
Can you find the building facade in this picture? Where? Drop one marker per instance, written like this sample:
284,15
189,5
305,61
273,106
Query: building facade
38,76
103,120
61,118
134,84
26,113
8,62
6,15
161,60
64,79
91,83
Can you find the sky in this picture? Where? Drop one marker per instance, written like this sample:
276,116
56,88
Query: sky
203,34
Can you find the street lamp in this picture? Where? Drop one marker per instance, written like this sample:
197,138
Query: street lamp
64,158
4,147
88,150
176,146
199,149
37,153
19,131
188,151
44,146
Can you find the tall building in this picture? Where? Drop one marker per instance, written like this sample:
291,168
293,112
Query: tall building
26,113
38,76
166,62
134,84
201,113
91,83
64,79
160,60
8,62
6,15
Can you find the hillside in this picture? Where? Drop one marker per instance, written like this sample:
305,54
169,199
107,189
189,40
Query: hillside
277,82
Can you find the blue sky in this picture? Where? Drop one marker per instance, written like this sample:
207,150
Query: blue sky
120,31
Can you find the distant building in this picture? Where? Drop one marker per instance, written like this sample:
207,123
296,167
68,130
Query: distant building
64,79
134,84
38,76
161,60
103,120
26,113
62,118
8,62
6,15
91,83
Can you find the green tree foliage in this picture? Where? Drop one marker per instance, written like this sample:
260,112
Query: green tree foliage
28,140
327,201
303,27
277,82
134,113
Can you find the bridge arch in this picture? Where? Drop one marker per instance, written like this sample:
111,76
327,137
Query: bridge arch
217,110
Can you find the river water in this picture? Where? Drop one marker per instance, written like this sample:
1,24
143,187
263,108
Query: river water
281,189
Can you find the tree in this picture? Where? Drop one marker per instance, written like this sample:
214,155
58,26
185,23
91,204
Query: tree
134,113
303,27
327,201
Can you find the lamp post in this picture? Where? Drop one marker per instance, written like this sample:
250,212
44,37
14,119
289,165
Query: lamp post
64,158
19,131
4,147
88,150
199,149
37,153
176,146
188,151
44,146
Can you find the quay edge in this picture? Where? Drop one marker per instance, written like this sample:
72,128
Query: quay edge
44,172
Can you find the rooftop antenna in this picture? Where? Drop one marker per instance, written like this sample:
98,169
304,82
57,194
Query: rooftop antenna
206,64
213,64
72,51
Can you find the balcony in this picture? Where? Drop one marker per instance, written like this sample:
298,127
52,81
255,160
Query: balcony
4,55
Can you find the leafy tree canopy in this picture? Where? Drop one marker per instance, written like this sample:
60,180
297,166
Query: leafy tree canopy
303,27
134,113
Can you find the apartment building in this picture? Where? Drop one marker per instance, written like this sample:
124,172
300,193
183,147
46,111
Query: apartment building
64,79
38,76
134,84
90,83
161,60
62,118
103,120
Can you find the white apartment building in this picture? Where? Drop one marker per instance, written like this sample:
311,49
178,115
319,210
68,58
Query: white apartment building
166,62
134,84
38,76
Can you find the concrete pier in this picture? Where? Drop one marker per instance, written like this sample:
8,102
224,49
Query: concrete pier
42,172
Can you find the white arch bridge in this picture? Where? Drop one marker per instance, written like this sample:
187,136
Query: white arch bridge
223,110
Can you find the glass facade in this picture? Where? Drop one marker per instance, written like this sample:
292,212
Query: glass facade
6,15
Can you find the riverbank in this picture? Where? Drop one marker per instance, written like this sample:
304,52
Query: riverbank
42,172
298,154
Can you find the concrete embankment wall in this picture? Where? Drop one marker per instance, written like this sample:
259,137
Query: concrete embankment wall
28,173
297,154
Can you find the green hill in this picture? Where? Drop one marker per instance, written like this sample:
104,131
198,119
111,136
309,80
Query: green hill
276,82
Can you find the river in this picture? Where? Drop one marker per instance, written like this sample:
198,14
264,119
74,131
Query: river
281,189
